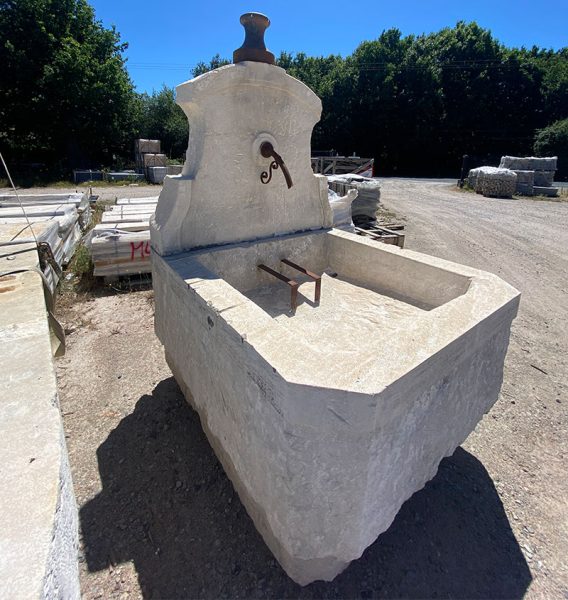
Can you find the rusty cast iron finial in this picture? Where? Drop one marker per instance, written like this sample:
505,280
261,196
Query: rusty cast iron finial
253,47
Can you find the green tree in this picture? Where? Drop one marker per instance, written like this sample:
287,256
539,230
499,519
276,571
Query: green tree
161,118
65,96
216,62
553,141
418,103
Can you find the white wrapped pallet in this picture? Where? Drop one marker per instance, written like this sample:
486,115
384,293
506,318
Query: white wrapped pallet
472,178
493,181
529,163
341,208
497,183
365,206
525,182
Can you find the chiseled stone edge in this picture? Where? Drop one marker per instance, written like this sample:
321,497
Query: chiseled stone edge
39,536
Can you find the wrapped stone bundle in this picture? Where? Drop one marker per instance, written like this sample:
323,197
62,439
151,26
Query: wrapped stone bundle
147,146
525,182
543,178
154,160
472,178
341,208
493,181
529,163
364,208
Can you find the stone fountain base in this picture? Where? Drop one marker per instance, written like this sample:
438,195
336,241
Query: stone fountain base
328,418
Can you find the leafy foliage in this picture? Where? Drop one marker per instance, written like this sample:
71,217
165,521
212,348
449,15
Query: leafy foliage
65,95
162,119
414,103
553,141
418,103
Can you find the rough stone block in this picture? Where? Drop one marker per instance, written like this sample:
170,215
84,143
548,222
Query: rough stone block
157,174
348,427
39,533
552,192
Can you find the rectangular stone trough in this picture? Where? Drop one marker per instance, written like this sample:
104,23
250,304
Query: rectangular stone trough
328,418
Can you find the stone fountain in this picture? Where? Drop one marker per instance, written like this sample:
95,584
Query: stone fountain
331,373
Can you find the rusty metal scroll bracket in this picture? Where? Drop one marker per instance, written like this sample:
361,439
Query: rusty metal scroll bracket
267,151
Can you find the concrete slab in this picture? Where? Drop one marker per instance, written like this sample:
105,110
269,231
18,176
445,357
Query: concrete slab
38,537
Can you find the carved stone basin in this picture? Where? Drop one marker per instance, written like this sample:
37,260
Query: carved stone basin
328,419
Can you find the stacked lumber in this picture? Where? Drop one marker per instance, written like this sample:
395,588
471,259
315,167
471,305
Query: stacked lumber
120,244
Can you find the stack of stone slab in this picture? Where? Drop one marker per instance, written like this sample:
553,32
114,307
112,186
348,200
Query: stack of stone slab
120,244
535,175
143,147
493,182
39,532
57,219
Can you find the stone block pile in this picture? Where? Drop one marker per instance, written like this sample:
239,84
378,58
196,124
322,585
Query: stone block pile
147,155
493,182
364,208
535,175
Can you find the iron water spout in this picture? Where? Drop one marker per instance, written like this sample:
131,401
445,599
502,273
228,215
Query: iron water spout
267,151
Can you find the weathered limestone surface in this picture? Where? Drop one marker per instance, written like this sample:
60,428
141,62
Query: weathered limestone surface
38,536
218,197
326,419
325,434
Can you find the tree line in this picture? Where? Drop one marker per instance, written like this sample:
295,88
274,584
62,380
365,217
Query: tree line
415,103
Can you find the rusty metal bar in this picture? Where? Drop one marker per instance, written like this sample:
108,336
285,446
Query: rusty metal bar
313,276
293,285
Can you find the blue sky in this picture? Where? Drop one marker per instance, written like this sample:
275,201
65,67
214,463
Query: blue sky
167,38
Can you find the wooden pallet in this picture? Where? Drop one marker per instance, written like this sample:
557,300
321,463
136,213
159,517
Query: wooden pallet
383,234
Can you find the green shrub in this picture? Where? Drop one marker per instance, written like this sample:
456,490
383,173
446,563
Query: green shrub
553,141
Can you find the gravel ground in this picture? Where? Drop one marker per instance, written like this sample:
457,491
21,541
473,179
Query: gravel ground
159,519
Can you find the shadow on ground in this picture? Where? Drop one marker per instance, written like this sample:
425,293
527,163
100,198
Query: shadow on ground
167,505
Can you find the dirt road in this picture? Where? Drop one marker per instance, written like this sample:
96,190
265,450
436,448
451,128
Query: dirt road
159,518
